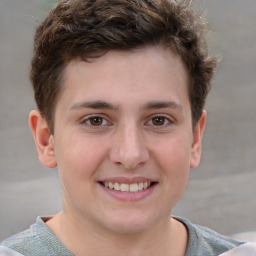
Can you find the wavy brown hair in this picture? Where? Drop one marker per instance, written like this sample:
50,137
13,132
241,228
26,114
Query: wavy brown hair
89,28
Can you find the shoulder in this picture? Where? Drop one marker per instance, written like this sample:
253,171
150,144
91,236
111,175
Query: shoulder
38,240
5,251
25,242
206,241
246,249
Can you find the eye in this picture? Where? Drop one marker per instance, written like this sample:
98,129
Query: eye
161,121
95,121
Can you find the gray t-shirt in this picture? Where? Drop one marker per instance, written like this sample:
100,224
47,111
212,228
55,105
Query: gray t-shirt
39,240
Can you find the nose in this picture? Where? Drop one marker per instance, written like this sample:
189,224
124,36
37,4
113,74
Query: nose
129,148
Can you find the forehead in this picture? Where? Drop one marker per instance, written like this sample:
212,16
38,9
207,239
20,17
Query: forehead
140,74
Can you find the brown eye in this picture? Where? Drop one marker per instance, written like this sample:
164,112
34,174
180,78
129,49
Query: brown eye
158,120
96,121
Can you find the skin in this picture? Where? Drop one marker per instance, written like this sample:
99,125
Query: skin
142,131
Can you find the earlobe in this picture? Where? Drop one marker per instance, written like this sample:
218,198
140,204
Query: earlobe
43,138
197,141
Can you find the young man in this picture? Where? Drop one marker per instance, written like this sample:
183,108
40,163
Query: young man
120,87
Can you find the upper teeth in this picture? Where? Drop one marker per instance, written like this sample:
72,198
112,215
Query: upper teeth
134,187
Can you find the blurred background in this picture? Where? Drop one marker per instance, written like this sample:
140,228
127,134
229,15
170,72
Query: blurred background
221,192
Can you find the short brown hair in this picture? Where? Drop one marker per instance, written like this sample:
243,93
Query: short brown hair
89,28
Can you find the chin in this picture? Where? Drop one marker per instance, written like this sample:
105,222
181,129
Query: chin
129,223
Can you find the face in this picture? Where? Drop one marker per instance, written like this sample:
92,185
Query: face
123,139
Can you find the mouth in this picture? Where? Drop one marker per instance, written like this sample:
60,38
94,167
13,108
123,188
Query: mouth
126,187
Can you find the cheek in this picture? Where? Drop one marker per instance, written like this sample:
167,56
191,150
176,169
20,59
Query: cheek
173,157
176,167
175,151
173,160
78,164
79,158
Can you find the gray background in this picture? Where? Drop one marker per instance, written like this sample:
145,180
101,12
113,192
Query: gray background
221,191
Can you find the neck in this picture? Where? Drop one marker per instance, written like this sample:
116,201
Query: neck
167,238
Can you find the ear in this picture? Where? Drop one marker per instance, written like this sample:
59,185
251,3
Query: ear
197,141
43,138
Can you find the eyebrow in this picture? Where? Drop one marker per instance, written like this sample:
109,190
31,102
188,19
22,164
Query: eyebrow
163,104
98,104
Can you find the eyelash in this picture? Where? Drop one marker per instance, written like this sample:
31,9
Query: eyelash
88,121
104,122
167,121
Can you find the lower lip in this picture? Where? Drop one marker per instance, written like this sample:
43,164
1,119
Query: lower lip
129,196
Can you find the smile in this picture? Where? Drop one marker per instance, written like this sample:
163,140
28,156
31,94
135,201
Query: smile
124,187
